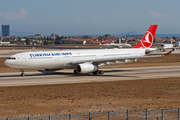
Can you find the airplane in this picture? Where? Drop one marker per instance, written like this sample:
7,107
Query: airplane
83,61
102,42
120,45
166,46
4,43
178,44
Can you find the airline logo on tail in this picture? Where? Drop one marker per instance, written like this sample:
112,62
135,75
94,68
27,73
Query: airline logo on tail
147,40
102,41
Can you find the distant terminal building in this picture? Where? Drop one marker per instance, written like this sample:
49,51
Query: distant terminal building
55,35
38,35
5,30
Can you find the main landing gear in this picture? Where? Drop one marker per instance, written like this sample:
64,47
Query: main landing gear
22,74
75,71
98,72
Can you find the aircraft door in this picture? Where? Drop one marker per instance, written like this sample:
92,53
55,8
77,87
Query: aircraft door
18,58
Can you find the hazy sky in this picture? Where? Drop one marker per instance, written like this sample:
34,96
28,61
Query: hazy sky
71,17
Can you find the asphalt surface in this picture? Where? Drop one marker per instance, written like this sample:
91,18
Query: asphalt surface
67,76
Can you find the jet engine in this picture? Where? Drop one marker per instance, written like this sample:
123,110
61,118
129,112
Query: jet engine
86,68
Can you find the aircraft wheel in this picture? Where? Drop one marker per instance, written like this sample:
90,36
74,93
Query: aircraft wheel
75,71
95,73
101,72
22,74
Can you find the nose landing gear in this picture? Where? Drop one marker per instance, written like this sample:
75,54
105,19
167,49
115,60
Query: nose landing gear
22,74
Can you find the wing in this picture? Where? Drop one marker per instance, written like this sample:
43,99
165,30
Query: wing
117,58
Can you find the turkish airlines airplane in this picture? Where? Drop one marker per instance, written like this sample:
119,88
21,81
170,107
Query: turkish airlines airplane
167,46
4,43
120,45
83,61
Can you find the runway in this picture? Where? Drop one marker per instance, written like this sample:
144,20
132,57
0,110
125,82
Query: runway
67,76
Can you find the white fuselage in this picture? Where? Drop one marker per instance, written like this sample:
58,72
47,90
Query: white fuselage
4,43
165,46
117,45
64,59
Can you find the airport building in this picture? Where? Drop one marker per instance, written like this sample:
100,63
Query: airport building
5,30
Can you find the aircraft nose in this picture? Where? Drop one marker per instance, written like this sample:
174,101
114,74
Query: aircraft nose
9,63
6,62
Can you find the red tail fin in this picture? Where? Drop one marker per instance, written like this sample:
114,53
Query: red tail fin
147,40
102,41
171,40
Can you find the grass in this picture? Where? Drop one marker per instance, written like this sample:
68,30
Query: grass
170,88
110,88
84,98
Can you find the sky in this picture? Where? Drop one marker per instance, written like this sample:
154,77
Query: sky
88,17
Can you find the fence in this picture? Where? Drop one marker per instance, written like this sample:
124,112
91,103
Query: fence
170,114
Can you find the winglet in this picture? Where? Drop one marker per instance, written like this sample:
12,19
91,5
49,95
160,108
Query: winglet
169,52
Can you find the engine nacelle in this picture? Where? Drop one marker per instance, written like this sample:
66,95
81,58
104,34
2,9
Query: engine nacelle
86,68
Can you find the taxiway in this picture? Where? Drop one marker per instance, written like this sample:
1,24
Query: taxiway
67,76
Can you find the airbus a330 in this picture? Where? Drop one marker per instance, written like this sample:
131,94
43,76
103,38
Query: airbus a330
83,61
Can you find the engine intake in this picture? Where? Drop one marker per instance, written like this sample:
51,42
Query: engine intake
86,68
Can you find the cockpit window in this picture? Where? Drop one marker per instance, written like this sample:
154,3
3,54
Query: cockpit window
12,58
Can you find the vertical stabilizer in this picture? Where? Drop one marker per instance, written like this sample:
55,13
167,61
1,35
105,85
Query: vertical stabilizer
171,40
147,40
102,41
119,41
